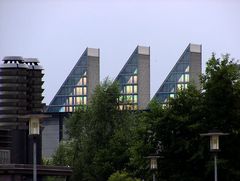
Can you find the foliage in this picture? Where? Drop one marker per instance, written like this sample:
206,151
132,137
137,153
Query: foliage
104,140
98,137
121,176
174,131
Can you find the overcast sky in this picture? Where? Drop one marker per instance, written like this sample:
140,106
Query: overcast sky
58,31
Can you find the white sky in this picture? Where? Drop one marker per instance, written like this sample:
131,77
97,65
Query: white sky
58,31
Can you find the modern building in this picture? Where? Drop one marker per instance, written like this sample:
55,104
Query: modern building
187,70
75,93
20,107
77,89
134,80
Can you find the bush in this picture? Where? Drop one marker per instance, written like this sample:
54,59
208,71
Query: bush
121,176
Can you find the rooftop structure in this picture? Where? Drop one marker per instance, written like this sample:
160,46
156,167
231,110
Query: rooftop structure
77,89
186,70
134,80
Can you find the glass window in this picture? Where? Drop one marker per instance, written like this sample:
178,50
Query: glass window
129,107
62,109
85,81
181,79
135,97
186,77
180,86
77,100
78,91
129,89
135,79
121,107
135,71
165,88
172,78
130,69
70,101
80,82
172,95
133,60
129,80
135,88
82,61
121,98
187,69
65,91
179,68
128,99
84,90
135,107
84,100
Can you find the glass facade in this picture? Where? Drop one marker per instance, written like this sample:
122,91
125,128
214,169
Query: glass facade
187,69
128,80
74,92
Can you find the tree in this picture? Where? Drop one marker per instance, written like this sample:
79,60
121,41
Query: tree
104,140
176,128
121,176
222,110
98,136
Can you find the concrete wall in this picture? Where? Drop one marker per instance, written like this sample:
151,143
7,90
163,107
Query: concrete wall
93,75
143,77
50,137
196,65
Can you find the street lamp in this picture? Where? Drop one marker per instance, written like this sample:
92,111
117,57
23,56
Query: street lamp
153,164
34,127
34,131
214,146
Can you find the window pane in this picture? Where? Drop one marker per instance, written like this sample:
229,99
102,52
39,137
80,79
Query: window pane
135,88
84,90
135,79
129,89
186,77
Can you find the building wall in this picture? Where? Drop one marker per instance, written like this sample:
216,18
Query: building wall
50,136
143,80
195,64
93,71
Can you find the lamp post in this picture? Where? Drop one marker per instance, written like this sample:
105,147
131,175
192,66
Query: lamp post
34,131
153,164
34,128
214,146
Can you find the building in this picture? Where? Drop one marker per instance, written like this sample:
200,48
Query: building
134,83
77,89
75,93
134,80
21,104
187,69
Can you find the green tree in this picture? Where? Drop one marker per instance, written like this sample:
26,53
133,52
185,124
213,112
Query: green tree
222,111
176,128
103,140
121,176
98,136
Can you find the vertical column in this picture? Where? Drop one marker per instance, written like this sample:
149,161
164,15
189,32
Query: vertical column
143,77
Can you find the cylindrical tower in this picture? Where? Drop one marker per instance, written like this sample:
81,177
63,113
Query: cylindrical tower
34,99
35,83
13,104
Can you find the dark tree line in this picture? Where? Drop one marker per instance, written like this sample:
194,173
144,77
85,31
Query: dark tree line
104,141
